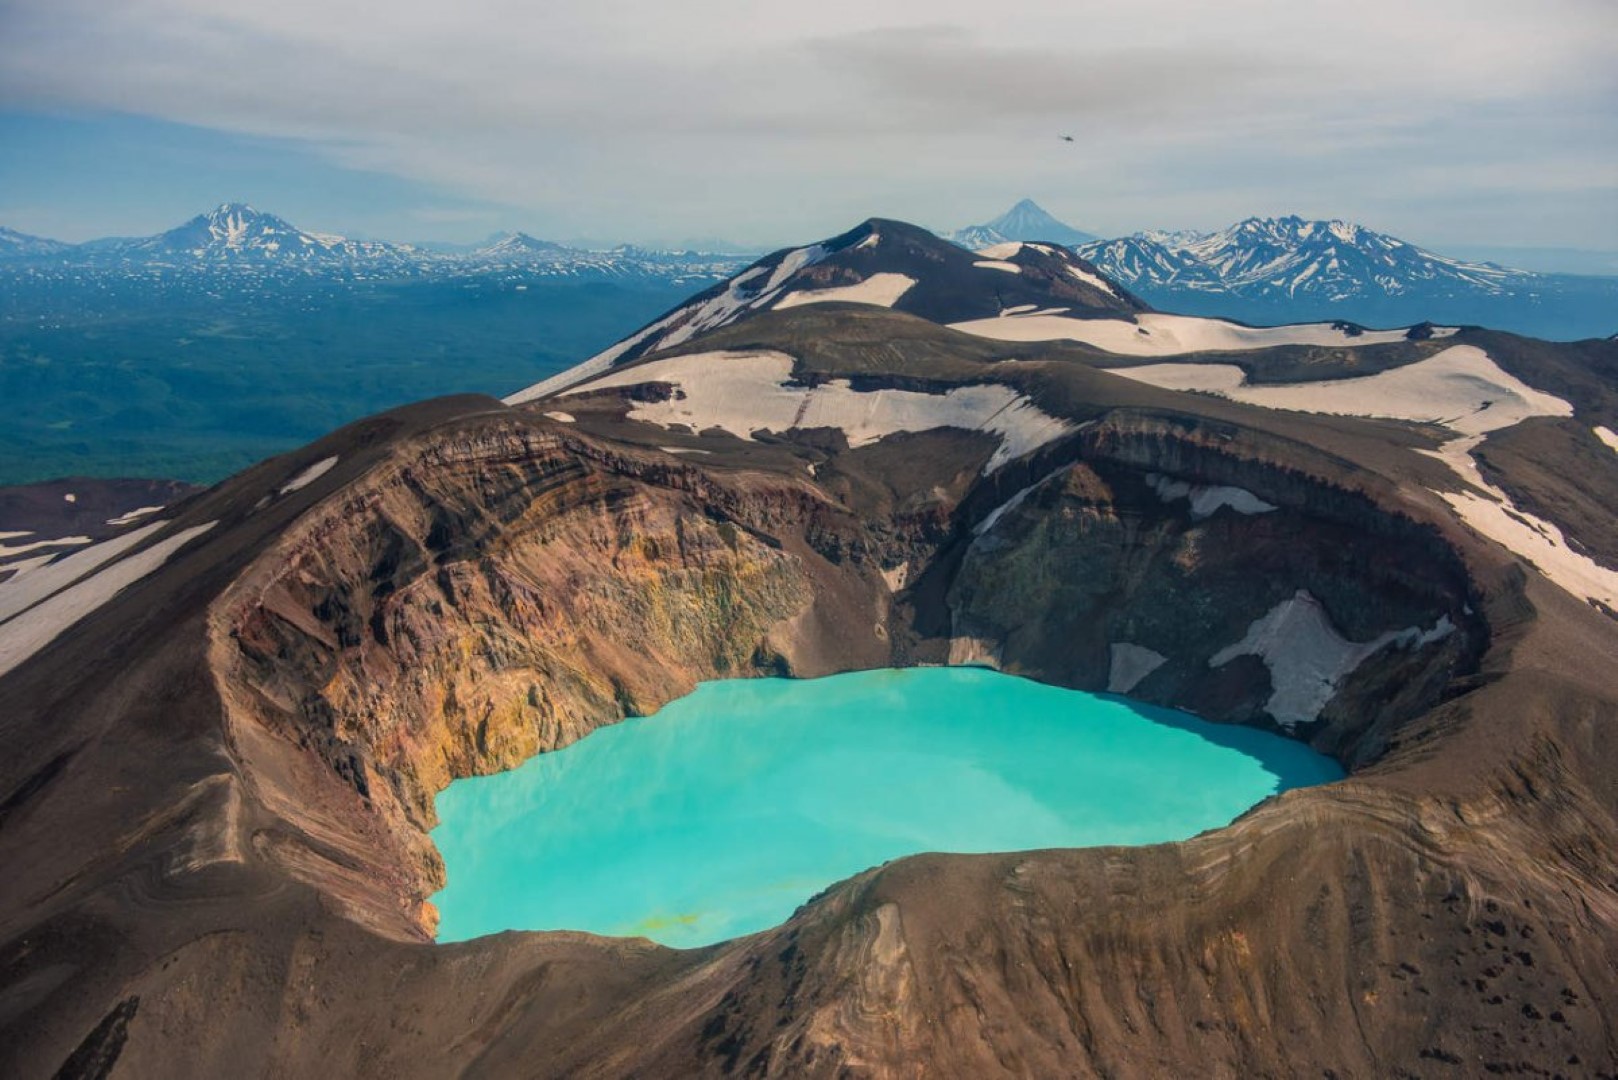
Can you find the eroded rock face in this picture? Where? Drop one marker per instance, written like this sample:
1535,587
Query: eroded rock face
502,593
1272,599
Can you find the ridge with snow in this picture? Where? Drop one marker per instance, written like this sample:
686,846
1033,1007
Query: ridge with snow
883,263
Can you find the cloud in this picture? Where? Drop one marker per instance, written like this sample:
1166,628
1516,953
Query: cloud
769,122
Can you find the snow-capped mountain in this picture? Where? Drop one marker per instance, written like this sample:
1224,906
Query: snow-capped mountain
519,245
1025,221
1290,269
237,233
236,238
1294,257
886,264
20,245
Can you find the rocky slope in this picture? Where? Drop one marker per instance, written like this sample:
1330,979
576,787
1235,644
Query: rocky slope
242,744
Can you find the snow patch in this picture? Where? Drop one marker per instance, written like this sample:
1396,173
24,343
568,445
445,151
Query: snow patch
747,392
14,535
18,593
1129,664
308,476
1308,659
791,263
559,416
1093,280
992,518
25,566
598,363
133,516
1608,436
1494,515
1539,542
64,541
1207,499
1008,250
1168,335
70,497
1461,388
879,290
990,264
24,635
897,577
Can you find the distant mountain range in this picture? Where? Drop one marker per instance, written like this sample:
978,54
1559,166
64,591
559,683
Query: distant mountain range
238,237
1332,261
1290,269
1262,270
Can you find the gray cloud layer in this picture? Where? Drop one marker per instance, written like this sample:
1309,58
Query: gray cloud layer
1443,119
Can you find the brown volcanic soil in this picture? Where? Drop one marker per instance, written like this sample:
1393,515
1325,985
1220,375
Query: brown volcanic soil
213,804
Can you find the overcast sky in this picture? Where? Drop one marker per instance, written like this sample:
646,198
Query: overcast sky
1444,121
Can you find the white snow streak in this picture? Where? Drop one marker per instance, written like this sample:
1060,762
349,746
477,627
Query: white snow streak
22,592
25,635
308,476
65,541
134,515
1460,388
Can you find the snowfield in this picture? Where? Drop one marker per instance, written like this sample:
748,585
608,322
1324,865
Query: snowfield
1308,659
1169,335
1461,388
747,392
1208,499
879,290
23,591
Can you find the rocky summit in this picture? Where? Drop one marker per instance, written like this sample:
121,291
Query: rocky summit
226,722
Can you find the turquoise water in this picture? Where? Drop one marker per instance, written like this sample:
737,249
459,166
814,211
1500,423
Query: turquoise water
730,807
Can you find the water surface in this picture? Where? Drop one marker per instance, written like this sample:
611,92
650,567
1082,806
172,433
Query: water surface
728,808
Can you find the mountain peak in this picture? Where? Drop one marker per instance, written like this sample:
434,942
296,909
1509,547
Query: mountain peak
1328,260
519,245
1026,221
878,263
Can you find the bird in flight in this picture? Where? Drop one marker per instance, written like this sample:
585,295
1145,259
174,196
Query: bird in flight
1067,138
